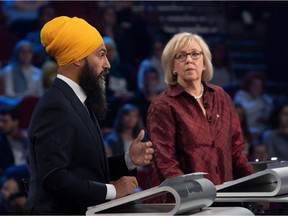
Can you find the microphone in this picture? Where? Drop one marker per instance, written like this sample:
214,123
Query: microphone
206,105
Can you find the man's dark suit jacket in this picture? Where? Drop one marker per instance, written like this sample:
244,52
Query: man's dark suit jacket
68,164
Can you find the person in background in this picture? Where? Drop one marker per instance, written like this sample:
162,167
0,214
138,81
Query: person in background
153,61
9,187
45,13
143,98
257,104
276,138
258,151
13,140
109,25
127,126
193,125
21,15
222,75
17,203
243,122
117,85
21,77
49,73
68,165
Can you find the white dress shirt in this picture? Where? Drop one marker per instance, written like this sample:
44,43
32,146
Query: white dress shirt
111,191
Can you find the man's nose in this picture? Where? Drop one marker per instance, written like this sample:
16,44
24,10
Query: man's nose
106,65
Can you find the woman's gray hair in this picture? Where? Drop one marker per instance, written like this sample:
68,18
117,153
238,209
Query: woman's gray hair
173,47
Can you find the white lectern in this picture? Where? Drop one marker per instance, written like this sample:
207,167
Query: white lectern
193,194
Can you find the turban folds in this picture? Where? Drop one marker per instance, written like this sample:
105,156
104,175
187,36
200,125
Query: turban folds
69,40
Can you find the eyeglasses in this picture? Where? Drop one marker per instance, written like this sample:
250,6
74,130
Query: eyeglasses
183,56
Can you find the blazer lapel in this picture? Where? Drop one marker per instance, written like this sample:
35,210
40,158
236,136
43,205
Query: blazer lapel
94,129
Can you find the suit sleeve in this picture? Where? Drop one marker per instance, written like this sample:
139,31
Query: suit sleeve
118,168
53,137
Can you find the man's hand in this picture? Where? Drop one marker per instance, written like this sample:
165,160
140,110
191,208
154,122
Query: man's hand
141,153
125,185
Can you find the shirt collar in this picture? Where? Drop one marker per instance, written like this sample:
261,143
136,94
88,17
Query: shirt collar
75,87
177,89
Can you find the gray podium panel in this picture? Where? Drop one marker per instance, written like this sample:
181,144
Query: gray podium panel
266,183
191,192
144,209
277,199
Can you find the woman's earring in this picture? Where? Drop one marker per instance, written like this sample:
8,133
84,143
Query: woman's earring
174,75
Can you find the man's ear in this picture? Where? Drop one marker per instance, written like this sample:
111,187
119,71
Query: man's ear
77,64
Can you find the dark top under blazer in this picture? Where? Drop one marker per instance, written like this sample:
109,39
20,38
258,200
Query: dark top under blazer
68,164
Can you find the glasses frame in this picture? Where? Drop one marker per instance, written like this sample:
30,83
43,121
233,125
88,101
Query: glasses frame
185,55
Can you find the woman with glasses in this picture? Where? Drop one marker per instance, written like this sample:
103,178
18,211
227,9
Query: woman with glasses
193,125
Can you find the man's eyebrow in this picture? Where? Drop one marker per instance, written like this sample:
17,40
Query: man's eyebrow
103,50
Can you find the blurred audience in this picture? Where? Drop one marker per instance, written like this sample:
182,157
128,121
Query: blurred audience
17,203
243,121
2,86
153,61
13,141
223,75
8,189
127,126
276,138
143,98
117,85
21,16
109,26
45,13
258,151
21,77
256,103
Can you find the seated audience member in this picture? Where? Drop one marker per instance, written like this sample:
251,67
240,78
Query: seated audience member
17,203
45,13
258,151
13,141
276,139
117,85
9,187
222,75
49,73
153,61
21,77
144,96
127,125
110,26
257,105
245,130
21,15
193,125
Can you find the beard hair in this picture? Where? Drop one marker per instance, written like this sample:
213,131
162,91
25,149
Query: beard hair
94,88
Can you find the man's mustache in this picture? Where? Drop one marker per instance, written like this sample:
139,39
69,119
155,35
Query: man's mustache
103,74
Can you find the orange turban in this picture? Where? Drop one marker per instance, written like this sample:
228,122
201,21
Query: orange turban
69,39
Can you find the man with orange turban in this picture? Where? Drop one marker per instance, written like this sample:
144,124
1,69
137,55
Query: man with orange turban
69,168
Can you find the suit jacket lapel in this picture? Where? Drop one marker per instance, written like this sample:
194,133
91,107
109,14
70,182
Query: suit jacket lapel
84,115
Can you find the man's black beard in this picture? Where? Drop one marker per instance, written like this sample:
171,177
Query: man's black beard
95,91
